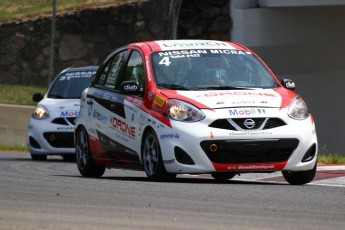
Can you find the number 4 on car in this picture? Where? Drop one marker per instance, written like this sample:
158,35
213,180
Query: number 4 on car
193,107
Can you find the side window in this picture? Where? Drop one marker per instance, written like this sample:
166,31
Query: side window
111,72
135,69
103,76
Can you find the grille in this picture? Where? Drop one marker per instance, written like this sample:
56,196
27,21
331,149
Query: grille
273,123
64,121
240,122
60,139
230,124
248,151
222,124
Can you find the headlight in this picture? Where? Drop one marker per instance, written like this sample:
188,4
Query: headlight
298,109
40,113
183,111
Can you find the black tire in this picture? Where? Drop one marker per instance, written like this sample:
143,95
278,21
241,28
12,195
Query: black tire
85,162
37,157
299,178
223,176
152,159
69,158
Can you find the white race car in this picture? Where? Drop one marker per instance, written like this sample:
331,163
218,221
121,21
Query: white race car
191,107
51,126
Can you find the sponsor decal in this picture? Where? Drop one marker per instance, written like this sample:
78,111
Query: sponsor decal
237,93
69,114
236,52
64,128
232,167
82,74
255,167
130,88
243,103
159,101
186,53
166,45
123,127
251,166
170,136
246,112
148,68
250,133
290,85
102,118
150,95
172,161
181,53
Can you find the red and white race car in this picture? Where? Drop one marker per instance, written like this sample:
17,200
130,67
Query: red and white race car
190,107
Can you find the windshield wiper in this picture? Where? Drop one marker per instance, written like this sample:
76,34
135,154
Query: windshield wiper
173,86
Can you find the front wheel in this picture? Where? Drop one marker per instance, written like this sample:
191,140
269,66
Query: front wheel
299,178
85,162
152,159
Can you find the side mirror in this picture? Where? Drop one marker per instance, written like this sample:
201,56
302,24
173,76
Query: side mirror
287,83
130,87
37,97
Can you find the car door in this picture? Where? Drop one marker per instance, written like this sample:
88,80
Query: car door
110,122
102,101
124,127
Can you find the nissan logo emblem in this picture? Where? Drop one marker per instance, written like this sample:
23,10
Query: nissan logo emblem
249,123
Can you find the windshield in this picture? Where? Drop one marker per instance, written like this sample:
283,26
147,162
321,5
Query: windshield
210,69
70,85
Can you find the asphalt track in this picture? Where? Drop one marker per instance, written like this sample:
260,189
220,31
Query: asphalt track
52,195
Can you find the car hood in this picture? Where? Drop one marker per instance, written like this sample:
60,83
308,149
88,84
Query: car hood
63,107
234,98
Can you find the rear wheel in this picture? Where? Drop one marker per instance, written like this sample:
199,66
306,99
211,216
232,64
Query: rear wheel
85,162
299,178
223,176
152,159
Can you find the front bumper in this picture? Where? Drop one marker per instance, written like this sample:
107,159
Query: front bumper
47,138
279,147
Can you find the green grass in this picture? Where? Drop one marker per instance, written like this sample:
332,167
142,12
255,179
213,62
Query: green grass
331,158
13,148
19,9
18,95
